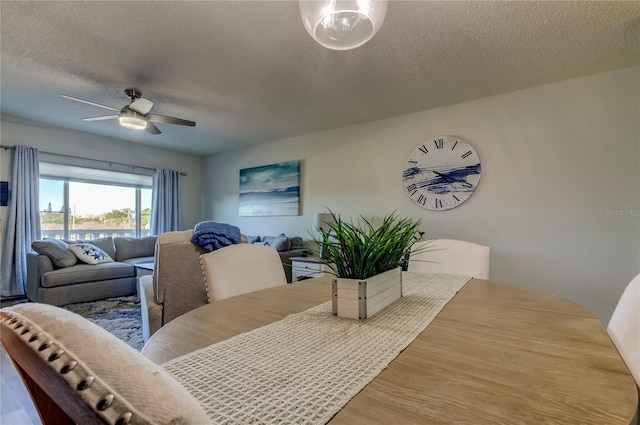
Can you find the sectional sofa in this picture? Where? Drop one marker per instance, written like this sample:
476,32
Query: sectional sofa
57,276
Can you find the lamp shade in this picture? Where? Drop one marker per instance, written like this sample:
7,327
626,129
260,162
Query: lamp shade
321,221
342,24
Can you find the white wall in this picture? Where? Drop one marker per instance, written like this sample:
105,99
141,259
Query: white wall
15,131
559,198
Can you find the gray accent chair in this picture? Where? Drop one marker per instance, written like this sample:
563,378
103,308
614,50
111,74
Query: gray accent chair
176,285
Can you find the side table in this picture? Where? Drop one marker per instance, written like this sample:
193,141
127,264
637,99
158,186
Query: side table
142,269
307,267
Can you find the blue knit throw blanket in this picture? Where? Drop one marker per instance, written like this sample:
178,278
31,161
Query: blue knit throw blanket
211,235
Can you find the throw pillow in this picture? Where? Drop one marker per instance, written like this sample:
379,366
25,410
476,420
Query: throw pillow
281,243
58,251
119,384
105,244
90,254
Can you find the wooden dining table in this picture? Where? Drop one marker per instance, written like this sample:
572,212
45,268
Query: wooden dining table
497,353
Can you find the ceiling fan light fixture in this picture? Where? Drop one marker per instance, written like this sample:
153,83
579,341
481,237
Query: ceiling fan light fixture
132,121
342,24
134,116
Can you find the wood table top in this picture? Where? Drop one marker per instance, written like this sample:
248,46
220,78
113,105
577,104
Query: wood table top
496,354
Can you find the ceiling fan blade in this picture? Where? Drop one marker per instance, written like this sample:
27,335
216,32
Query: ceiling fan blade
141,105
99,105
170,120
152,128
101,118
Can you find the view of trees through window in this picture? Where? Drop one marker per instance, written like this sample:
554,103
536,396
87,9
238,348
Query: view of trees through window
78,210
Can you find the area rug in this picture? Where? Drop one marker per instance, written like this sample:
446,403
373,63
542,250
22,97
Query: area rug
120,316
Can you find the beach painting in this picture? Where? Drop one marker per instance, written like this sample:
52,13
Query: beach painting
270,190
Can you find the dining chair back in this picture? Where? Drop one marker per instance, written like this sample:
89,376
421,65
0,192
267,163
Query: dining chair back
624,327
450,256
78,373
241,268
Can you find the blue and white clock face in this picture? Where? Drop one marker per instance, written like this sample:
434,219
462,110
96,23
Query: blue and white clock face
441,173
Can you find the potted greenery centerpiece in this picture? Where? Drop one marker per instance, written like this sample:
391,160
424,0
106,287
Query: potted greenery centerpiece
366,261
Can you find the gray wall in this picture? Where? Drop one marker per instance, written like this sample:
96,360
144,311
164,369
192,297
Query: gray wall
15,131
559,198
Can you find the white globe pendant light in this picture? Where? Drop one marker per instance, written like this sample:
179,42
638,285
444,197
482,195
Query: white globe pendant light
342,24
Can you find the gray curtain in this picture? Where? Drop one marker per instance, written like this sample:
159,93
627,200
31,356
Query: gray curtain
23,222
165,202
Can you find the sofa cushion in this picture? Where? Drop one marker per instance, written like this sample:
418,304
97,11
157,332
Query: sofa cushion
105,244
90,254
119,384
139,260
81,273
296,242
134,247
281,243
253,239
58,251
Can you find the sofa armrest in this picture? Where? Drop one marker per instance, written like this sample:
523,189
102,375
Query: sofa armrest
37,265
151,311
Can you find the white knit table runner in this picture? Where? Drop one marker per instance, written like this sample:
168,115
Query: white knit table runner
306,367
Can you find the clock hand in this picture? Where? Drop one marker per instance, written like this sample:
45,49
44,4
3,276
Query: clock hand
412,171
446,177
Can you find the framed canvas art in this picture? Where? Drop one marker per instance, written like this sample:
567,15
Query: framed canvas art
270,190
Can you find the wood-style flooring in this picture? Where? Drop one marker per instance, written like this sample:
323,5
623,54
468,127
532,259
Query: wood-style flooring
16,407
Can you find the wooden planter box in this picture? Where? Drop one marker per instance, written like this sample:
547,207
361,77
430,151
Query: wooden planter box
360,299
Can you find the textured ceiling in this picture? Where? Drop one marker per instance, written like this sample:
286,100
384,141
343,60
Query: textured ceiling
247,72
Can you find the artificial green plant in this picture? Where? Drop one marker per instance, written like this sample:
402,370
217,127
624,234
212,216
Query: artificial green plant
359,250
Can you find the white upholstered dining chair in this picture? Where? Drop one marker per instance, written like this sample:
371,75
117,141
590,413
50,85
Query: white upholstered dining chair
624,327
450,256
241,268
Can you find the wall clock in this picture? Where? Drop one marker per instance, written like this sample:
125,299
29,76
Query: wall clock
441,173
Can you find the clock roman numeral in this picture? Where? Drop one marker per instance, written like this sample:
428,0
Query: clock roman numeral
423,149
412,187
439,143
421,199
455,197
438,203
454,145
472,169
466,154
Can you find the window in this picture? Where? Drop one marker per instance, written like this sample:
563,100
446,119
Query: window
91,204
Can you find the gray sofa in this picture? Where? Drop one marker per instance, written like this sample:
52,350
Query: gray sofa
56,276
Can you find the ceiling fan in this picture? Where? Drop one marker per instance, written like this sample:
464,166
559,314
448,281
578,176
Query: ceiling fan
134,116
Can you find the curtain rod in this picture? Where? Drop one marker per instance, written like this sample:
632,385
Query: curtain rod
182,173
